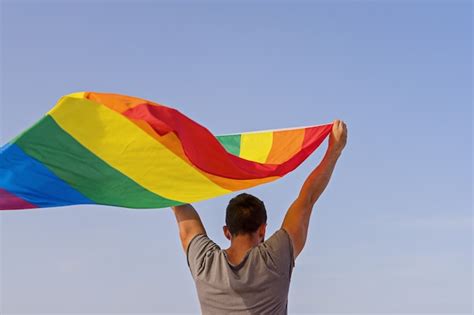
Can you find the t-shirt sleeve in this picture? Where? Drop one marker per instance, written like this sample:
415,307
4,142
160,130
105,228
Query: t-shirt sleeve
279,248
199,249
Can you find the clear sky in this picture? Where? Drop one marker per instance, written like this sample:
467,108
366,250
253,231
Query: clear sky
391,234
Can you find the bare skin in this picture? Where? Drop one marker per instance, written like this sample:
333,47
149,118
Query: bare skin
297,218
242,243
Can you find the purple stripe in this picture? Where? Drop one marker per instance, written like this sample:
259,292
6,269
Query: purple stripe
12,202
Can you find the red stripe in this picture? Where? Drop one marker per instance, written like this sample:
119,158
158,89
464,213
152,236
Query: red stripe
9,201
206,153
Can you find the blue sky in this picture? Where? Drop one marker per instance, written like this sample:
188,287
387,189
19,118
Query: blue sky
391,234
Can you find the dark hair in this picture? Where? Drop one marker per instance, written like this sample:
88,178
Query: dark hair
244,214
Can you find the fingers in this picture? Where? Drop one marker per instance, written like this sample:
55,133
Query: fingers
339,124
339,129
338,137
336,125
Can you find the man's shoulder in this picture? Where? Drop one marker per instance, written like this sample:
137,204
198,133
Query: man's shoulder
202,238
279,248
280,235
199,247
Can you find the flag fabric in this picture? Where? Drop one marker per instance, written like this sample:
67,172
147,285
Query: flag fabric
112,149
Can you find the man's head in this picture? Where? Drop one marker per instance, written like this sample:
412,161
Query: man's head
245,215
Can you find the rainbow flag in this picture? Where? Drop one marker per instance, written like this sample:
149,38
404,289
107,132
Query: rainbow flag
111,149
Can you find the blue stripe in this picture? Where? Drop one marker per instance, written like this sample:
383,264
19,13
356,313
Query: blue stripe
4,147
30,180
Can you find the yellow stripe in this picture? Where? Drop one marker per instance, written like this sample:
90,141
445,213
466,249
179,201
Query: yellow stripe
256,146
77,95
127,148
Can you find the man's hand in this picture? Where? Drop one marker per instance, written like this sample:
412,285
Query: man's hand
189,224
338,136
296,220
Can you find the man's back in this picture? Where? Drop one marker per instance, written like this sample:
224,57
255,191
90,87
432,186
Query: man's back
259,284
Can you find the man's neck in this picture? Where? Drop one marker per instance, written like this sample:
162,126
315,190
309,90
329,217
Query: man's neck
240,244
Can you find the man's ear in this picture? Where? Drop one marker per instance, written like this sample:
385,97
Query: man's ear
261,232
227,232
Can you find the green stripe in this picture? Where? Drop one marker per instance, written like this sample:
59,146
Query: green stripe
231,143
84,171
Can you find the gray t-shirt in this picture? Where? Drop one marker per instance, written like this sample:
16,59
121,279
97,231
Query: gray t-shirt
257,285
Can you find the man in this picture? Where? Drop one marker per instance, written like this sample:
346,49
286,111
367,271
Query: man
252,276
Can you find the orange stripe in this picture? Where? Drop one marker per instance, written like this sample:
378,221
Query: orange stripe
286,143
117,102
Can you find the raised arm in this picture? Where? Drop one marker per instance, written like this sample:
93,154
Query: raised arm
296,220
189,223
